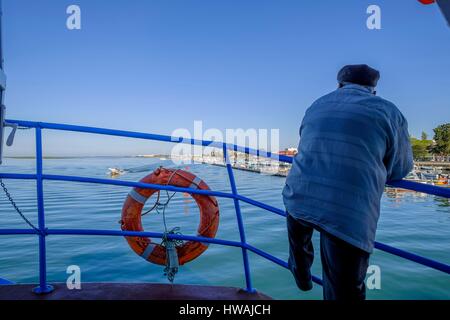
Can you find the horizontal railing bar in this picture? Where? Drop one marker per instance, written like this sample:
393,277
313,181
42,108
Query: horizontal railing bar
121,183
141,234
87,232
142,185
18,176
262,205
276,260
136,184
421,187
413,257
17,232
268,256
380,246
149,136
4,282
401,184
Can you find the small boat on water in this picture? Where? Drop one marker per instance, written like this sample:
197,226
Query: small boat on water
114,172
418,176
442,181
428,175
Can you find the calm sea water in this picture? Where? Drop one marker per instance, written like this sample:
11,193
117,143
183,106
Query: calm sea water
413,222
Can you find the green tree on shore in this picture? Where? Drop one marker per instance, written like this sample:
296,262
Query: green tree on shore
421,148
424,136
441,145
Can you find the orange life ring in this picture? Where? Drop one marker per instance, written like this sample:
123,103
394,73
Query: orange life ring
135,201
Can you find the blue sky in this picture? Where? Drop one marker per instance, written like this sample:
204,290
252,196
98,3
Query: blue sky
156,66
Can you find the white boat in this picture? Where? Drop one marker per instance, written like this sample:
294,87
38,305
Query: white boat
115,172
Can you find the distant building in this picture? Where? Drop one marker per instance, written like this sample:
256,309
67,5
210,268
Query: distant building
290,152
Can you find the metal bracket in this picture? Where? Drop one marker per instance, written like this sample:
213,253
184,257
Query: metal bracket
12,134
3,124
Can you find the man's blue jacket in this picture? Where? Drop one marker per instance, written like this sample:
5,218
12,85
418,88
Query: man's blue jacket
351,143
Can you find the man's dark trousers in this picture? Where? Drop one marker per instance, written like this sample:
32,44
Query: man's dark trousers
344,266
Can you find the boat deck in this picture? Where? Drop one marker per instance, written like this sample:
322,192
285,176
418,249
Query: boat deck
130,291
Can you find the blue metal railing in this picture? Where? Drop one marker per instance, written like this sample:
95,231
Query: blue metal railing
43,231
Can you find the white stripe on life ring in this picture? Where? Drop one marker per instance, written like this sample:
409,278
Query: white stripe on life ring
195,183
148,251
137,196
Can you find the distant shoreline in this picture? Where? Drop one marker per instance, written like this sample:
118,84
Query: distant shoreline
86,157
432,163
67,157
418,163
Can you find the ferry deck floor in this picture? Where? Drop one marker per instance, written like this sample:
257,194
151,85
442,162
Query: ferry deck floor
129,291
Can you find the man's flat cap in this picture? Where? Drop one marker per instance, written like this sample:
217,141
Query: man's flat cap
360,74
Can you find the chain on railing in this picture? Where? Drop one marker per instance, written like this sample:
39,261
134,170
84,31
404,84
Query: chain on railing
16,208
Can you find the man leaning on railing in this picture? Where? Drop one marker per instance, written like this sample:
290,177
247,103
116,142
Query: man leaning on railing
352,142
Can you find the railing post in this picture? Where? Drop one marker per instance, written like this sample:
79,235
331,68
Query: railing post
43,287
248,279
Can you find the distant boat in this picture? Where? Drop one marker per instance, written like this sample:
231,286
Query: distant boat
431,178
442,181
115,172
